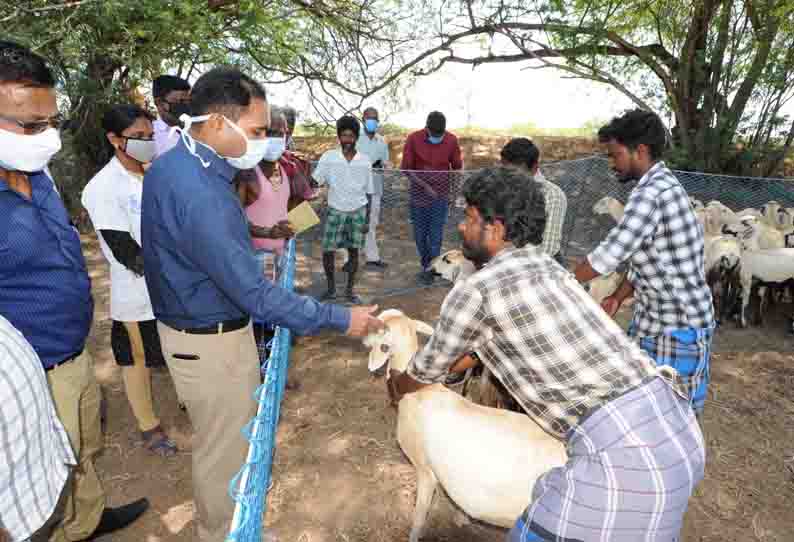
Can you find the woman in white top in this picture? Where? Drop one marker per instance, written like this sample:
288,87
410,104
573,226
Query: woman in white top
113,200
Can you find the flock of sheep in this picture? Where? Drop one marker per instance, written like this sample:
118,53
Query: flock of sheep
749,254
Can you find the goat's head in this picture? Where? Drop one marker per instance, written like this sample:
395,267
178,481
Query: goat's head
747,230
396,344
448,264
785,217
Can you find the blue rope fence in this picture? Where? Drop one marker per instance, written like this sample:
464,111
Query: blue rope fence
249,488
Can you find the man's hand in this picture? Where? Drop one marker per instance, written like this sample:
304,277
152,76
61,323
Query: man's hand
610,304
362,323
282,230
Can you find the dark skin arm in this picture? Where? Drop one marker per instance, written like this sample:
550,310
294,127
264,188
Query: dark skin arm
584,272
398,384
612,303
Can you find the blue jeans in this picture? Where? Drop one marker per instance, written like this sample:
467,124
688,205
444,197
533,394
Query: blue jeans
429,224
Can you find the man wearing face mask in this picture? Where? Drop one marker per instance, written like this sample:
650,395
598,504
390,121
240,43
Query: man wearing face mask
373,146
662,241
432,151
172,100
46,291
206,284
113,201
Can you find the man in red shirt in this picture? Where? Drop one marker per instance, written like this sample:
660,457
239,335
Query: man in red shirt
434,152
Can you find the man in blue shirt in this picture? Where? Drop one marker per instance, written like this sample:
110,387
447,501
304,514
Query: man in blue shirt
46,292
205,282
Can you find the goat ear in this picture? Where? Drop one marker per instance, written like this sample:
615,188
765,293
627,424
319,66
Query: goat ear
423,328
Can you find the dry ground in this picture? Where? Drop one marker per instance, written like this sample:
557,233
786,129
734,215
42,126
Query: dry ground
340,476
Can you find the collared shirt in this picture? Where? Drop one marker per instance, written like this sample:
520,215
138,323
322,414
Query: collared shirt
35,453
270,207
46,292
375,148
164,140
540,333
113,201
421,155
662,240
199,264
349,182
556,205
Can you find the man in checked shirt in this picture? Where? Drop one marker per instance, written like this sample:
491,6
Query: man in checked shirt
662,242
635,449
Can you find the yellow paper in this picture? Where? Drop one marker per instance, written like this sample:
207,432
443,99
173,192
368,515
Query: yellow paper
302,217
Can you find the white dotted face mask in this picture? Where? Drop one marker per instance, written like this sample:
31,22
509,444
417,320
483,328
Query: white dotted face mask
255,149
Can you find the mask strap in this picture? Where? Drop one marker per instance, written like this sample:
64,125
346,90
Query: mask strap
190,143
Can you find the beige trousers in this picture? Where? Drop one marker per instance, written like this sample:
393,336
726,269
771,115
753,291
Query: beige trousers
216,376
75,392
138,381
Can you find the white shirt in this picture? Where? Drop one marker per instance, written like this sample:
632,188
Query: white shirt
113,200
164,140
348,182
375,149
35,454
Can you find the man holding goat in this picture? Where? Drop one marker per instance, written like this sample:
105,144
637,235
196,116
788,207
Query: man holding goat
635,450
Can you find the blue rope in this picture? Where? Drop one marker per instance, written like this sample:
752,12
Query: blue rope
250,485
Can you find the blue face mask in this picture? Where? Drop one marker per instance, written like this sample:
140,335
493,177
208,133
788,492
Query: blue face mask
371,125
435,140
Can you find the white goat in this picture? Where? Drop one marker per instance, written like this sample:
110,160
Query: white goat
452,265
769,266
603,286
487,460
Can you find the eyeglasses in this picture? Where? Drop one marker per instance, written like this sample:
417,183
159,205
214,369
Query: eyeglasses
36,126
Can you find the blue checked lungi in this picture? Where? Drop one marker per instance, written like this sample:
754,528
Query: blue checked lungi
632,466
688,351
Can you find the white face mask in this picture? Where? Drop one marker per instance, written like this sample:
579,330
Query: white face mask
275,148
28,153
142,150
255,149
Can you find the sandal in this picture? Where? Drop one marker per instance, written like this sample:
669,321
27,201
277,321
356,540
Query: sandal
157,442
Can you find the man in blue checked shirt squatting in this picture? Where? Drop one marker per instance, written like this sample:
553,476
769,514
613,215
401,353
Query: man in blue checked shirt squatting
206,283
46,291
635,450
662,241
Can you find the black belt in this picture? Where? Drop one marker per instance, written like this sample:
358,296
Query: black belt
64,362
221,327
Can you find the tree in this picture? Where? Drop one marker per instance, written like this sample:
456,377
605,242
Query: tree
722,69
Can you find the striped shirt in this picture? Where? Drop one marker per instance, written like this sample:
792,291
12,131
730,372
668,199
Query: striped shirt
35,453
556,206
528,319
662,241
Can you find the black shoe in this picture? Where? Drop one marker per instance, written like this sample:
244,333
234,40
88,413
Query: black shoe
117,518
377,265
346,267
329,295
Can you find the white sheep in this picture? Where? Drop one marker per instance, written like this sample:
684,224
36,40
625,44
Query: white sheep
452,265
769,266
487,460
696,203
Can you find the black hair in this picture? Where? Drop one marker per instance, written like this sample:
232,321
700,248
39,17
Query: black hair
19,64
512,197
436,122
120,117
224,89
348,123
291,115
636,127
521,151
165,84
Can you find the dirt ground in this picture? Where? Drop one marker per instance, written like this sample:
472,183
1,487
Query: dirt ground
340,476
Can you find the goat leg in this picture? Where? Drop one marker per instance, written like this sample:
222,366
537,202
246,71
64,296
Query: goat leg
426,483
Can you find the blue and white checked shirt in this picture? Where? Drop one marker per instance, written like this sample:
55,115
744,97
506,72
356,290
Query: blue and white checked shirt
35,453
662,241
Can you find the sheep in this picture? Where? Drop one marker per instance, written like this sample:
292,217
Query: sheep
769,213
722,263
769,266
487,460
452,265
